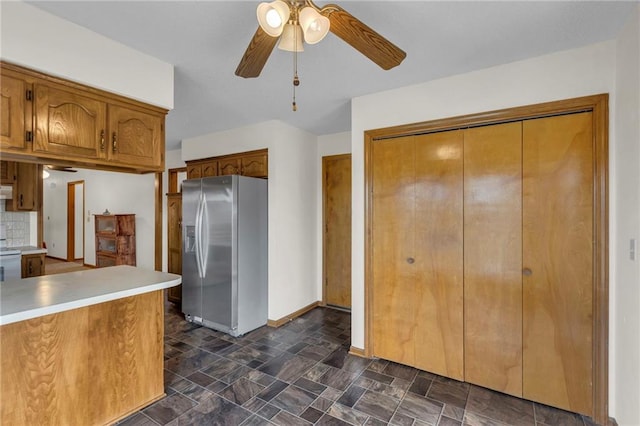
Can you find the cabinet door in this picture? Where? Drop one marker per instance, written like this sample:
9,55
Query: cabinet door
25,192
32,265
7,172
174,242
254,165
229,166
135,137
174,232
493,257
210,169
194,171
558,261
12,113
68,123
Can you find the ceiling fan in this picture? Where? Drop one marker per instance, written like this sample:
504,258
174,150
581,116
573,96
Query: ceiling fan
293,21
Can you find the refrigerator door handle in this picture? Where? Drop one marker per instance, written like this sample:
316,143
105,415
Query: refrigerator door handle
204,243
198,237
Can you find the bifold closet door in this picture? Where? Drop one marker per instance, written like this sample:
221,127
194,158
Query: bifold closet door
417,252
558,261
439,254
493,257
394,314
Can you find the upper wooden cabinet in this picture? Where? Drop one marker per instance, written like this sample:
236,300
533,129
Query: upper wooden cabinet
202,169
251,163
135,137
51,120
68,123
14,93
25,190
254,165
229,166
7,172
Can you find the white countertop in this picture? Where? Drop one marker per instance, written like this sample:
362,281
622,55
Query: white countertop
23,299
30,249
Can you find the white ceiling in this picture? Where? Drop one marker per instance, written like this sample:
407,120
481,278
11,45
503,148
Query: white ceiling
206,39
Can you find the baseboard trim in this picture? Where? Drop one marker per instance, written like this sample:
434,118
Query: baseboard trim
282,321
88,265
357,352
56,258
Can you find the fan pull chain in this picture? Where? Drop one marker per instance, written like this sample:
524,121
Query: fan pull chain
296,80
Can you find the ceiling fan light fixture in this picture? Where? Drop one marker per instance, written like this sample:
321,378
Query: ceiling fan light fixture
273,16
291,39
314,26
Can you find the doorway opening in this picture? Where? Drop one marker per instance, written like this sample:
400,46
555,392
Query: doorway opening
75,221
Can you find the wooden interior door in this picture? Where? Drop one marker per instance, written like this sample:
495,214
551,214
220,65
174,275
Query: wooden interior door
558,265
438,254
393,276
493,257
337,230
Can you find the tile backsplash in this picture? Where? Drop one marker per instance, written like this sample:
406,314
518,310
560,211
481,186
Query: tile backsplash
17,226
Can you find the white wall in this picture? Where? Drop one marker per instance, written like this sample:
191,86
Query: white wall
118,192
334,144
625,314
573,73
292,205
36,39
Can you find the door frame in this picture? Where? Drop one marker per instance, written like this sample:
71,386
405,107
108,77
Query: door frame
598,105
71,219
324,220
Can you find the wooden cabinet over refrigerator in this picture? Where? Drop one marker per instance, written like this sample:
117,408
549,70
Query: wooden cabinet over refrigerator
115,240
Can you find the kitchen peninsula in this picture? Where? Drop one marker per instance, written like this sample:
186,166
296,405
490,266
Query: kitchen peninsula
83,347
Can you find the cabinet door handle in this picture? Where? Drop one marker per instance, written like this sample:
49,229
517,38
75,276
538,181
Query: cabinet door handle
102,140
21,200
30,268
114,142
410,260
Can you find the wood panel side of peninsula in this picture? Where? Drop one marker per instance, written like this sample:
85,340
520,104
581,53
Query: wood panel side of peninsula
91,365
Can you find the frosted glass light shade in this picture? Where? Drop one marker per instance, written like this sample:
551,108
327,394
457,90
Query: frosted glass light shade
314,26
273,16
291,39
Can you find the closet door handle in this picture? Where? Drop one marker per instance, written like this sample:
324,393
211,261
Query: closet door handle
410,260
527,272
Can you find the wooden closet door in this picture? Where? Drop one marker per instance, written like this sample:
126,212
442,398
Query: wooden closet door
337,230
394,316
438,253
558,261
493,257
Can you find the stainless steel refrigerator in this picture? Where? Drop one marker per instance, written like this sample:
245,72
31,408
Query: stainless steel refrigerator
224,254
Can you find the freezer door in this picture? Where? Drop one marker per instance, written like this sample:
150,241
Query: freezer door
218,301
191,281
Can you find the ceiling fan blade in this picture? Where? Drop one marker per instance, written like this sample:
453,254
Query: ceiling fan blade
61,168
362,38
256,55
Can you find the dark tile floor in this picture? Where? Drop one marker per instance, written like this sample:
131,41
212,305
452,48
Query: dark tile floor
301,373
